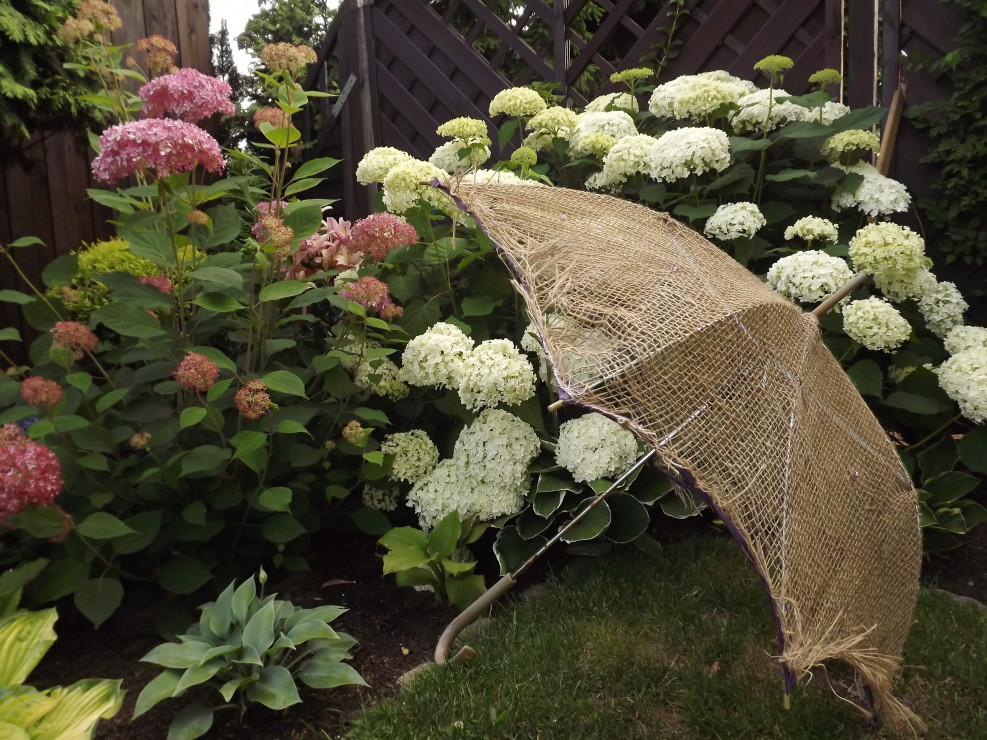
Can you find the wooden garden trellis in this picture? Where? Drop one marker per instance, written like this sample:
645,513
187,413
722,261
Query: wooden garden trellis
406,66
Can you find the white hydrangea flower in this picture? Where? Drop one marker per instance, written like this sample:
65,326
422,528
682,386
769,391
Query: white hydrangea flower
697,96
594,446
876,324
619,100
378,162
498,177
590,127
813,228
436,357
762,110
848,141
554,120
734,220
876,196
901,285
415,455
403,187
964,379
628,157
886,247
517,102
809,277
943,308
961,338
687,151
380,376
496,372
831,111
380,499
446,157
465,130
487,476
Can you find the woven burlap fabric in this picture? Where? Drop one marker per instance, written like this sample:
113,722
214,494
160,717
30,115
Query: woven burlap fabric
649,323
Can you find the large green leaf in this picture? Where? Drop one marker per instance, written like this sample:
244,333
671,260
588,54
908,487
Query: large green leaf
314,167
283,289
973,449
630,518
79,707
322,674
20,707
24,639
61,270
217,278
226,225
591,526
284,381
128,320
443,538
192,722
158,688
258,633
103,526
402,559
867,376
281,528
275,688
183,574
205,460
98,598
949,487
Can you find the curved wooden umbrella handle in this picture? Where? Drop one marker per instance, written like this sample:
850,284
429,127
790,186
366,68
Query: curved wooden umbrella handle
469,615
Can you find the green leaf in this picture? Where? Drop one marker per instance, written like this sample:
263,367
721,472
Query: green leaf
867,376
158,689
98,598
938,459
15,296
630,518
464,590
183,574
915,403
128,320
378,418
478,305
217,278
258,633
61,270
401,537
275,499
284,381
191,416
10,334
949,487
973,449
218,302
314,167
26,241
590,526
83,381
43,522
404,559
443,539
290,426
323,674
243,599
280,137
70,423
110,398
790,174
275,688
283,289
181,655
300,186
79,707
226,225
681,505
371,521
24,639
512,550
146,526
205,460
281,528
103,526
192,722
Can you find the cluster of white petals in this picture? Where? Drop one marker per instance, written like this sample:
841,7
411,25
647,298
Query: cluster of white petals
378,162
517,102
496,372
762,110
876,324
689,151
964,379
964,337
380,499
734,221
697,96
942,308
591,128
446,157
876,196
404,188
381,377
594,446
628,157
809,277
436,357
613,101
415,455
887,248
812,228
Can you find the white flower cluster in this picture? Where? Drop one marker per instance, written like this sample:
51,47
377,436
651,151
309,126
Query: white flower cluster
809,277
517,102
883,248
628,157
852,140
493,372
436,357
830,111
697,96
762,110
687,151
942,308
554,121
594,446
446,157
964,379
898,286
487,475
877,195
618,100
380,499
734,221
403,187
876,324
498,177
380,376
962,338
812,228
415,455
496,372
378,162
588,134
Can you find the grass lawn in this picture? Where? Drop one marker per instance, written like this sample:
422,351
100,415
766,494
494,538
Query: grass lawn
633,646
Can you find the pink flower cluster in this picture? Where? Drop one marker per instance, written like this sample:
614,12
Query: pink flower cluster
186,94
266,208
380,233
274,116
373,295
160,53
77,337
252,401
40,392
29,472
156,145
196,372
327,249
158,281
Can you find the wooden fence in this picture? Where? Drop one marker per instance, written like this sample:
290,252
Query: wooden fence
405,66
46,197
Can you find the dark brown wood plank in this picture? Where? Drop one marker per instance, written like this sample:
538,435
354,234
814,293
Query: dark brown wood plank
70,215
860,62
193,34
789,17
503,32
602,35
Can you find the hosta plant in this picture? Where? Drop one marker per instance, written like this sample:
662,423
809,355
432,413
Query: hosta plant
251,649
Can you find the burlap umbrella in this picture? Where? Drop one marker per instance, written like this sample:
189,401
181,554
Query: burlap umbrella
647,322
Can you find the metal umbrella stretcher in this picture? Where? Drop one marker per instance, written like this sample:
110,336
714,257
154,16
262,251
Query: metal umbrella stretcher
731,387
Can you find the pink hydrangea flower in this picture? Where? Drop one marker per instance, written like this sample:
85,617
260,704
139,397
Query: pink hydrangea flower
379,233
186,94
196,372
372,294
158,281
274,116
40,392
263,209
30,473
156,145
77,337
252,401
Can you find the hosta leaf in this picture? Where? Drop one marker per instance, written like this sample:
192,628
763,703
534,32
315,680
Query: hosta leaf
591,526
192,722
24,639
319,674
178,654
275,688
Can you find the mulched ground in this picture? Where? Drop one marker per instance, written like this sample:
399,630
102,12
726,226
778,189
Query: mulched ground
397,629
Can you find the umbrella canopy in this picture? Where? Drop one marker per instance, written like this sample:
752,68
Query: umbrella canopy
647,322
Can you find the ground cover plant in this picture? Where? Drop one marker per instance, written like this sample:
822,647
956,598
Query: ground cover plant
255,372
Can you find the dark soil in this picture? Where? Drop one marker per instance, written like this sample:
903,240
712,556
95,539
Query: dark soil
397,629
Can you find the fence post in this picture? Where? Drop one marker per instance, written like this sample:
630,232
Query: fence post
561,47
862,55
